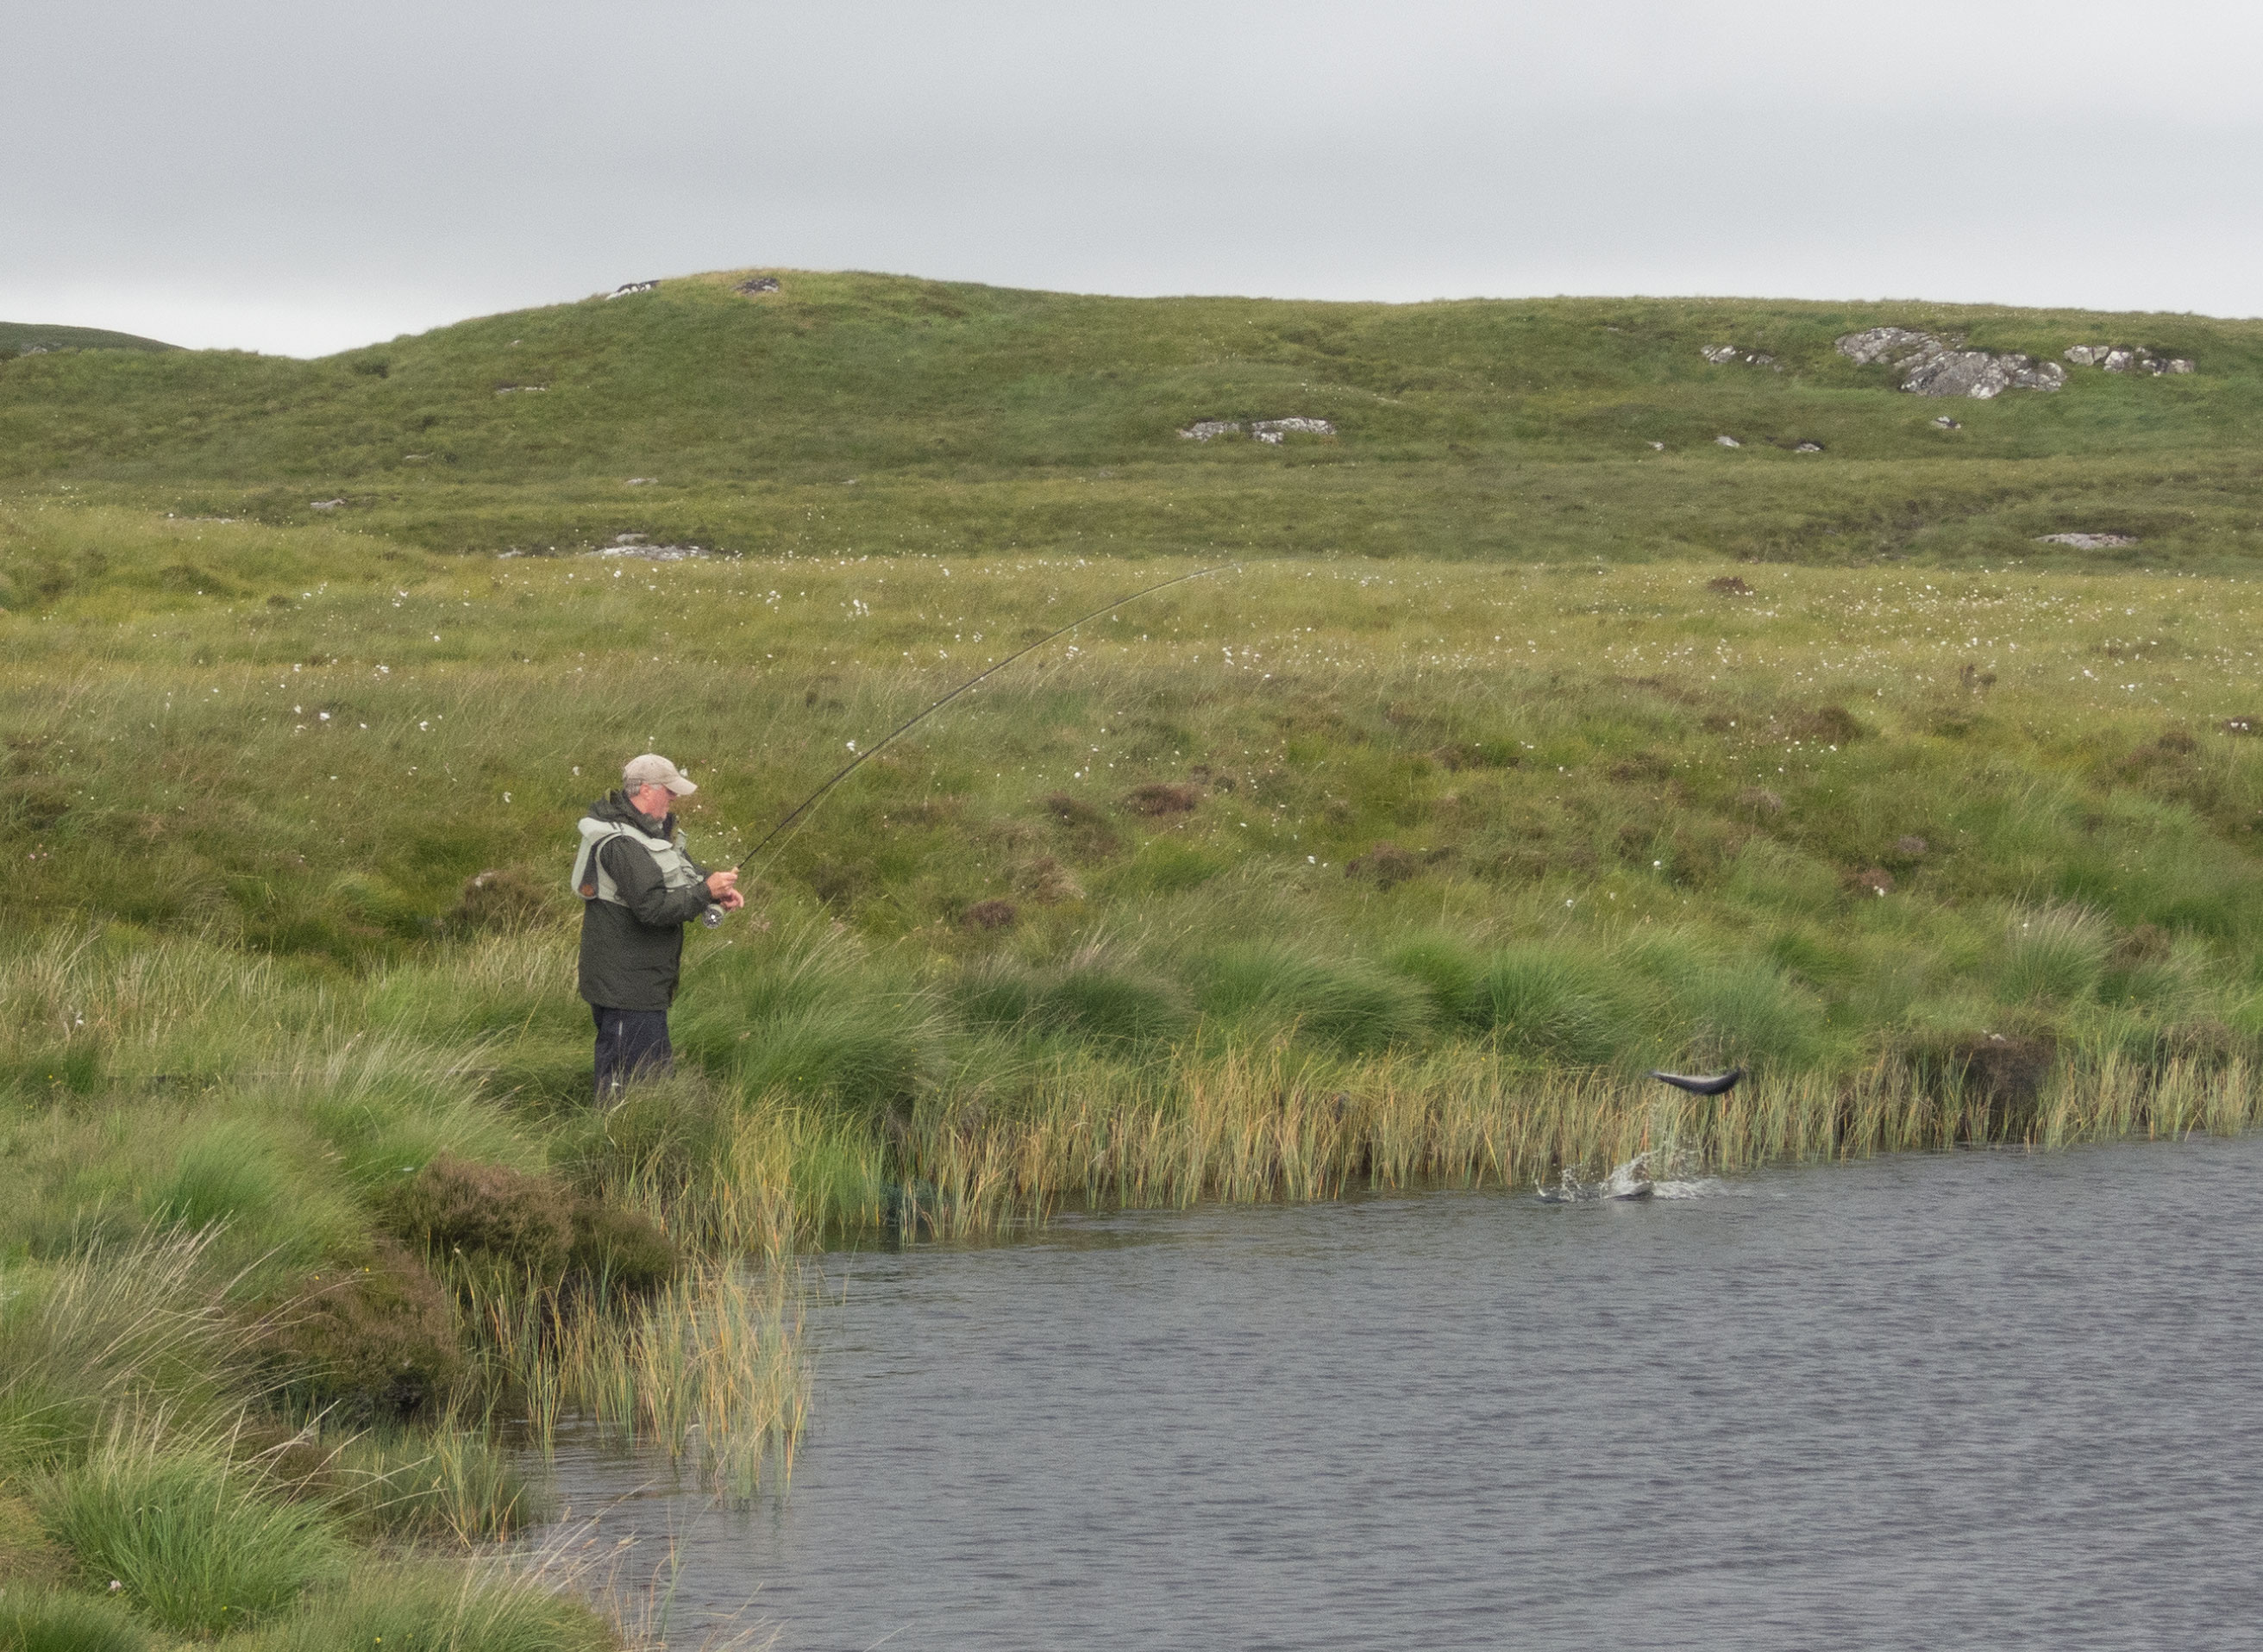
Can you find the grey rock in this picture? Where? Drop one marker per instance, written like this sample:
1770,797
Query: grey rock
1271,430
1809,447
2126,358
1882,343
758,284
1947,424
2086,541
627,287
1658,447
324,504
1722,355
1274,429
1933,365
1728,441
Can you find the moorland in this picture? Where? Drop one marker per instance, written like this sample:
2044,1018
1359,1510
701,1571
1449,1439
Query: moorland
1526,737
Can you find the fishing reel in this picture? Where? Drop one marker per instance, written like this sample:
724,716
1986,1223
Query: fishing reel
712,918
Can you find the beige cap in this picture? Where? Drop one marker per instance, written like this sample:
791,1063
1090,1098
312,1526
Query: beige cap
653,770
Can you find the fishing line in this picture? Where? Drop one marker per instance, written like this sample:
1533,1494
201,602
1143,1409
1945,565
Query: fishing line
801,809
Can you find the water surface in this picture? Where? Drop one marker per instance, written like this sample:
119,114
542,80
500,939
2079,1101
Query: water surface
1985,1400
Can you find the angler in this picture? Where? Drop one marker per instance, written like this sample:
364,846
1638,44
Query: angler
638,888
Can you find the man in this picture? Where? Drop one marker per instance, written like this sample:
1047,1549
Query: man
637,890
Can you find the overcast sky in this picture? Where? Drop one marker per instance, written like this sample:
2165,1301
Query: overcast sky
299,178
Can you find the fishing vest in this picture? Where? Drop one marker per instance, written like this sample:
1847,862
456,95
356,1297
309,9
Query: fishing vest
593,882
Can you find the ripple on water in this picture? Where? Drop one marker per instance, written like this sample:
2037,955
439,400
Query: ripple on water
1981,1400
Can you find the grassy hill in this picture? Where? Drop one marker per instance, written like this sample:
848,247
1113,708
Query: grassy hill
1396,857
20,338
868,415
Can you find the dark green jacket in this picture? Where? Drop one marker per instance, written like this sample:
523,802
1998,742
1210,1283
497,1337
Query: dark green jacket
631,953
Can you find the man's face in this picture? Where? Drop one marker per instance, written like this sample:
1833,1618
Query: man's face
655,801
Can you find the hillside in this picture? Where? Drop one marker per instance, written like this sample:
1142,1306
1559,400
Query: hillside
27,338
846,412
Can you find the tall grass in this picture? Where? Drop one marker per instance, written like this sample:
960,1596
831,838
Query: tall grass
485,1606
108,1326
1346,875
200,1543
49,1621
708,1369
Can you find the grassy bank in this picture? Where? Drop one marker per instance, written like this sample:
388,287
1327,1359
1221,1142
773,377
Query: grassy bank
1326,872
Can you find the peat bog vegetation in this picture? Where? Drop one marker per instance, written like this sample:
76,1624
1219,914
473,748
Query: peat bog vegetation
1516,755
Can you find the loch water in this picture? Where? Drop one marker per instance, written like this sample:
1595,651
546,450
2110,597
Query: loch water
1985,1399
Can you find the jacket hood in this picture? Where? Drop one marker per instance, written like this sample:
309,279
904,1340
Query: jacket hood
614,807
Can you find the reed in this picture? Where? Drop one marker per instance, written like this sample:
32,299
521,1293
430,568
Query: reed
709,1368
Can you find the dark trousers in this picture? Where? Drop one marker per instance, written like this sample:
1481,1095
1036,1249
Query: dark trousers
632,1044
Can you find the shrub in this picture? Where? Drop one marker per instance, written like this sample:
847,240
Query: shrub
46,1621
617,1251
199,1546
486,1213
374,1340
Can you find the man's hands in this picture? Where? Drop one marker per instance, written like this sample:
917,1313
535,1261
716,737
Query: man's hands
723,889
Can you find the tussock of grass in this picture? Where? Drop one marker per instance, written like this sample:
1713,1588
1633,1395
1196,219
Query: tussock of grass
448,1481
50,1620
108,1323
201,1544
487,1607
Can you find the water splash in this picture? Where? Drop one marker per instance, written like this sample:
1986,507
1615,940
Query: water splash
1653,1175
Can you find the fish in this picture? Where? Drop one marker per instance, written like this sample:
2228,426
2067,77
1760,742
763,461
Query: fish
1715,1083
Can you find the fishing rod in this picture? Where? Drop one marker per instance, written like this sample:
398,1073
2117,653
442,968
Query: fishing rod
714,914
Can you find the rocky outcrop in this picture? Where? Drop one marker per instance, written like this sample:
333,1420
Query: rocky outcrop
2086,541
752,284
1722,355
1933,365
2126,358
627,287
1261,430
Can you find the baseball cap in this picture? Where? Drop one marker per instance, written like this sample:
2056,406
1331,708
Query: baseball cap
653,770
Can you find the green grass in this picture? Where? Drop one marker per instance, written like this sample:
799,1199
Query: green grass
428,1608
200,1546
1393,856
21,338
858,415
46,1620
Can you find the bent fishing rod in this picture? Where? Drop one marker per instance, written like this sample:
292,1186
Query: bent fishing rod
714,914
